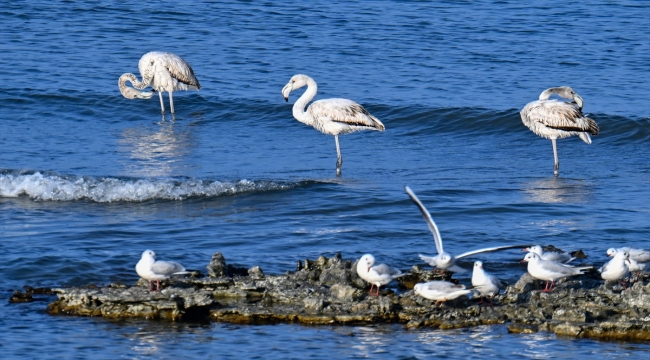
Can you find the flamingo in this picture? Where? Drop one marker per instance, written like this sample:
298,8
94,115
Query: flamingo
552,119
329,116
164,72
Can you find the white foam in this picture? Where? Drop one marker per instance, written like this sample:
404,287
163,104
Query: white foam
108,189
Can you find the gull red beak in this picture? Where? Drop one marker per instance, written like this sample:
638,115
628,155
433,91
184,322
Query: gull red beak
523,260
524,249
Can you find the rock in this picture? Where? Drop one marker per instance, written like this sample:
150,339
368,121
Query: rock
20,297
217,266
572,315
328,291
523,285
567,329
519,328
343,292
256,273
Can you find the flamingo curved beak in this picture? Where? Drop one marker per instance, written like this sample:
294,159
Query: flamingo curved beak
578,100
286,90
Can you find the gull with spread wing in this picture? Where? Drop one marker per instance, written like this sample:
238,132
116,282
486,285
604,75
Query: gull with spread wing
444,260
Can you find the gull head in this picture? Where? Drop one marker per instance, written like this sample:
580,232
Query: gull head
478,264
416,289
445,261
149,254
625,255
611,252
368,260
531,256
537,249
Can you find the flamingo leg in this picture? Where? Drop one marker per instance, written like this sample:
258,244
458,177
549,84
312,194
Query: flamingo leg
339,158
171,102
556,168
162,104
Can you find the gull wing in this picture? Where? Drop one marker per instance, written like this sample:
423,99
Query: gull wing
167,267
383,269
427,217
496,248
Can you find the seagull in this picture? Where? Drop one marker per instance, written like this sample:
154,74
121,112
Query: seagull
616,268
557,256
329,116
638,255
443,260
484,283
552,119
550,271
378,275
162,71
440,291
150,269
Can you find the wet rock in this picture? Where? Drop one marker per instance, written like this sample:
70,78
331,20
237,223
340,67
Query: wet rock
20,297
343,292
520,328
256,273
328,291
217,266
572,315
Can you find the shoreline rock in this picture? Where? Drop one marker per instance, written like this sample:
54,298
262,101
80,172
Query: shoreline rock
328,291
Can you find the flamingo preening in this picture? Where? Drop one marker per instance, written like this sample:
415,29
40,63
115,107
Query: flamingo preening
163,72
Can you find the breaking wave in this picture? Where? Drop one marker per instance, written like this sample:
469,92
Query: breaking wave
54,187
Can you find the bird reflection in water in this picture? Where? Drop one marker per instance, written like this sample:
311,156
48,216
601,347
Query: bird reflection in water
558,190
159,151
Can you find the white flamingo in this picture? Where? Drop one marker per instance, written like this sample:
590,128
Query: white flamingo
163,72
552,119
329,116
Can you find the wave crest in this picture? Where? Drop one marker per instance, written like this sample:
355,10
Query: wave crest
51,187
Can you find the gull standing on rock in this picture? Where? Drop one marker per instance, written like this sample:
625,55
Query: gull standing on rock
552,119
484,283
616,268
329,116
550,271
378,275
557,256
150,269
164,72
440,291
638,255
443,260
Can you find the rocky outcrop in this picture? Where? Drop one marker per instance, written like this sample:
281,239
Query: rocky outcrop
328,291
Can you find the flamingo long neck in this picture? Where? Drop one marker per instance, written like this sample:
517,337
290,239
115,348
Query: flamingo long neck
134,80
546,94
299,107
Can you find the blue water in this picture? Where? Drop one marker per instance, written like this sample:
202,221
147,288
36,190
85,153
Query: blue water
89,179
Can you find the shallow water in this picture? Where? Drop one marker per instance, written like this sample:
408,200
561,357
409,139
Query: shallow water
88,179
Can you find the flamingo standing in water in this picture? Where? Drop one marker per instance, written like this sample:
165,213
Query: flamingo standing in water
552,119
163,72
329,116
